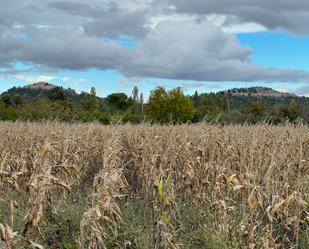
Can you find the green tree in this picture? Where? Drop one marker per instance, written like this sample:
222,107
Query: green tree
258,110
157,105
39,109
135,109
209,107
2,109
180,108
195,99
169,106
135,94
141,102
90,101
294,110
118,102
225,103
11,114
65,110
56,94
13,100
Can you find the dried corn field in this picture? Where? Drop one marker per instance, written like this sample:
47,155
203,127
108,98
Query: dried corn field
189,186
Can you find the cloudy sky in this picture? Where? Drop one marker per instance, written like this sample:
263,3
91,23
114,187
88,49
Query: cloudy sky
203,45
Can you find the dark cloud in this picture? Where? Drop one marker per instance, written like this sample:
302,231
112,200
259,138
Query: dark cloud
61,35
130,24
284,15
190,51
109,19
74,51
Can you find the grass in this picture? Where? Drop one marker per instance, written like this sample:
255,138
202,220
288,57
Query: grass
150,186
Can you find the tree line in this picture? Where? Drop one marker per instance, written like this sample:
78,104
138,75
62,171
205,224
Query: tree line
163,106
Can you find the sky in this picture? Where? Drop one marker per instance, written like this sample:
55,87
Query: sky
114,45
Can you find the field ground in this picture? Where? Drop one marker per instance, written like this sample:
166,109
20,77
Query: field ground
187,186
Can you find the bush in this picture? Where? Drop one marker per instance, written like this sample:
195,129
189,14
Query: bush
91,116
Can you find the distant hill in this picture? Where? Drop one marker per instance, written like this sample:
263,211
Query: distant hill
241,98
40,85
233,105
47,86
41,89
257,92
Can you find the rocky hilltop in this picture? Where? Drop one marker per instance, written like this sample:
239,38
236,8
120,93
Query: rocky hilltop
40,85
258,92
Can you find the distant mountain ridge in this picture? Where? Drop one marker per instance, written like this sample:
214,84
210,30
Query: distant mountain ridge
40,85
257,92
47,86
236,101
239,97
41,89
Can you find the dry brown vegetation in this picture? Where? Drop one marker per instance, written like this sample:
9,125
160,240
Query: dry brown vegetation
149,186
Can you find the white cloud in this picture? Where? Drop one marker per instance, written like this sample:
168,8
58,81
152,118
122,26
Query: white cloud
73,82
68,79
230,25
282,89
65,79
195,85
200,51
129,82
283,15
176,39
33,79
